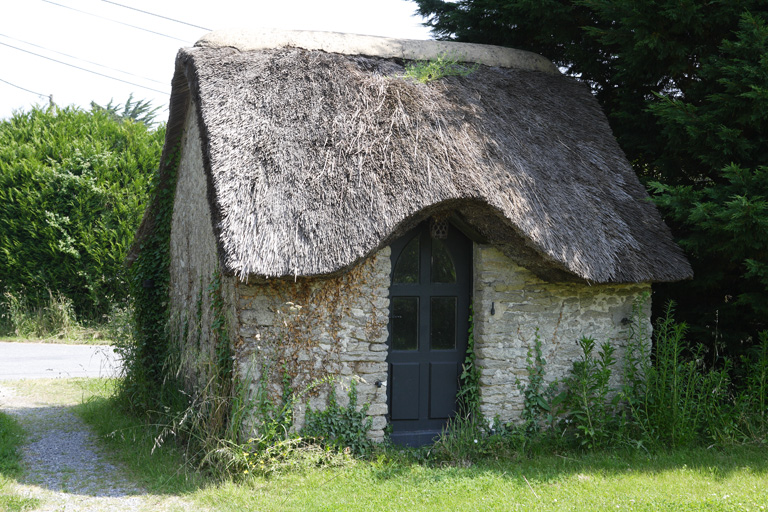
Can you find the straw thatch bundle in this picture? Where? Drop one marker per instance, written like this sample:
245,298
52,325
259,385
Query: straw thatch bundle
316,159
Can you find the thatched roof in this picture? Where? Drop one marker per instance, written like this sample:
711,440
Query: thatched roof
317,157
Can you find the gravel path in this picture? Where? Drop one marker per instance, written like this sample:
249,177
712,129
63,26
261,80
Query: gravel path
64,466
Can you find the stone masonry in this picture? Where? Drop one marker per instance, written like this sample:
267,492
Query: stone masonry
314,328
512,306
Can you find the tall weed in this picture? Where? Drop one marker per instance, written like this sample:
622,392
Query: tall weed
683,400
585,401
53,319
462,441
665,397
537,396
756,371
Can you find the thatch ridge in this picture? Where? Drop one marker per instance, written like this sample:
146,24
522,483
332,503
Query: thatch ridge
375,46
315,160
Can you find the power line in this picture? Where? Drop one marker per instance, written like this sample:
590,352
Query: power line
116,21
83,60
82,69
23,89
157,15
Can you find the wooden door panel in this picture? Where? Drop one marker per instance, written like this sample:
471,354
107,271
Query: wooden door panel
429,311
443,384
405,391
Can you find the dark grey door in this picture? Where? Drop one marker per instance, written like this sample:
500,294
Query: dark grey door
429,315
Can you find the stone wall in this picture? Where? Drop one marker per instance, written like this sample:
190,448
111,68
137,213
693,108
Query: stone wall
194,265
524,306
311,328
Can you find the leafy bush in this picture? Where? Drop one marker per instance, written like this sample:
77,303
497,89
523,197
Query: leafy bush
341,427
292,454
73,187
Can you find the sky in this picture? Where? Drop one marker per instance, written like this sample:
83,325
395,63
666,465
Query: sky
115,39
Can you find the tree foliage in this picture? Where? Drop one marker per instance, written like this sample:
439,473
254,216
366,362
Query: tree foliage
685,86
140,111
73,187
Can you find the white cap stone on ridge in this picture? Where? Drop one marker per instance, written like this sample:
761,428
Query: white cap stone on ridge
375,46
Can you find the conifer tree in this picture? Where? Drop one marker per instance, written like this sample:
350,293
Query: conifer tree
685,87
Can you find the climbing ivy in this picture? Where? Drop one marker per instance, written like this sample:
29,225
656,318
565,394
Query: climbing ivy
469,380
146,355
221,341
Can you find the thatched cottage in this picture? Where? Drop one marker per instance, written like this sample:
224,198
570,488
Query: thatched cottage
349,215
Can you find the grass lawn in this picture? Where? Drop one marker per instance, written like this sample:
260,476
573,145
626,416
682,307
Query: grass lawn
598,483
11,437
717,479
685,480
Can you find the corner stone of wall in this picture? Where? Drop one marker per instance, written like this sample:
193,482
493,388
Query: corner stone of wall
525,307
317,328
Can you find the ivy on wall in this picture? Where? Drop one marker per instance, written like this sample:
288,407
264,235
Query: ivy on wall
468,396
149,276
223,362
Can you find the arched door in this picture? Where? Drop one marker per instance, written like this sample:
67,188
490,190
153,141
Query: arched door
429,320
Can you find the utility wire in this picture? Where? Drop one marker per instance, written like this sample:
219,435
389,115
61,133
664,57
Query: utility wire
83,69
116,21
22,88
157,15
83,60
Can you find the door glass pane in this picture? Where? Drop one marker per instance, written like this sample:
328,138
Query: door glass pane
443,270
407,266
443,323
405,323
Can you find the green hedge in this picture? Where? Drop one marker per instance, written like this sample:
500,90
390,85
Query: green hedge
73,188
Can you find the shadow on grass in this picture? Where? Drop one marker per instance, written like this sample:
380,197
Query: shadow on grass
717,463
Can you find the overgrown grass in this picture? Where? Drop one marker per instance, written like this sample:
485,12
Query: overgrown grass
56,322
683,479
674,434
11,438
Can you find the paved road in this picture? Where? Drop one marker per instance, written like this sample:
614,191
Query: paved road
47,361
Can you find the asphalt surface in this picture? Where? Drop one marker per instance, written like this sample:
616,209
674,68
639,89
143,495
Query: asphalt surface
49,361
